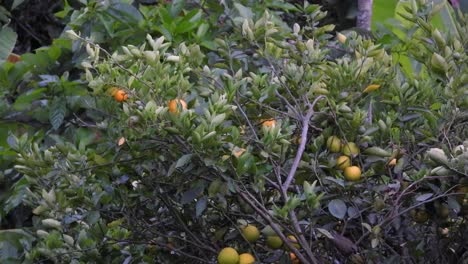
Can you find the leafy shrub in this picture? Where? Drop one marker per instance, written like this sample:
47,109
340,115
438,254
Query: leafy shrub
147,182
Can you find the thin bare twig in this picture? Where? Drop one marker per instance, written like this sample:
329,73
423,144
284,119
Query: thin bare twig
300,150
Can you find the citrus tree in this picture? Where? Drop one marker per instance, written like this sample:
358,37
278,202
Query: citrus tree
274,143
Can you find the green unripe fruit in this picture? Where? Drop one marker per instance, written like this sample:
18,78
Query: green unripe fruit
334,144
274,242
350,149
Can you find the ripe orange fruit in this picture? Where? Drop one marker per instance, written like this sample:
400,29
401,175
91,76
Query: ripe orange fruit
334,144
175,105
228,255
294,258
271,123
246,258
342,162
120,95
251,233
352,173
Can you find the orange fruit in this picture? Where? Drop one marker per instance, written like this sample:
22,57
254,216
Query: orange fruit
120,95
246,258
392,162
342,162
352,173
271,123
175,105
294,258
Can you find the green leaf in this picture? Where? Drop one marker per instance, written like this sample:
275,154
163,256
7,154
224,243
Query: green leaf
16,3
57,112
244,12
337,208
201,206
17,196
8,37
184,160
382,10
191,194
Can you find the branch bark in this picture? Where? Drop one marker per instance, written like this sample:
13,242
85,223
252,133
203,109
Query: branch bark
300,151
364,14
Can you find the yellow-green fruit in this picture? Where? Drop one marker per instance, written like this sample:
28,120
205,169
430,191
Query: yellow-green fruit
294,241
350,149
228,256
342,162
420,216
246,258
352,173
251,233
378,204
334,144
274,242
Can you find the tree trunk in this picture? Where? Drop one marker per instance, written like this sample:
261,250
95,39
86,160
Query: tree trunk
364,14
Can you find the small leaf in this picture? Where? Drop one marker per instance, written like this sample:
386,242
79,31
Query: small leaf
374,242
367,226
325,233
12,141
190,195
337,208
353,212
121,141
424,197
184,160
453,204
201,206
371,88
244,12
8,37
57,112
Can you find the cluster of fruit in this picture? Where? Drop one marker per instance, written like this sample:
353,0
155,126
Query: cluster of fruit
344,162
174,105
251,233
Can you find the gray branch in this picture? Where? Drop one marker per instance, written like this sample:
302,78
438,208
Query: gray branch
364,14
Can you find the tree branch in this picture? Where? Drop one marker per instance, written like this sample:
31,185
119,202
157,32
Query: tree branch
300,150
364,14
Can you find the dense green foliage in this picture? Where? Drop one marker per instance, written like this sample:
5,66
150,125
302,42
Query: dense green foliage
88,179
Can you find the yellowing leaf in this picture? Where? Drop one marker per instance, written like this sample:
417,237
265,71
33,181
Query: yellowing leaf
121,141
371,88
237,152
